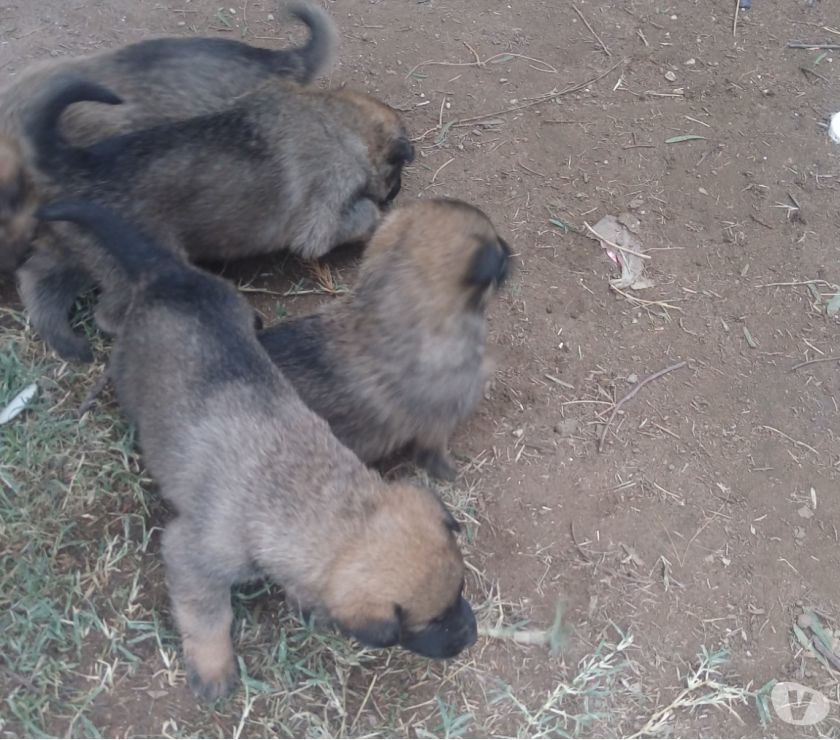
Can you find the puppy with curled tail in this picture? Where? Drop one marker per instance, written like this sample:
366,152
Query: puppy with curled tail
261,486
159,80
286,167
401,360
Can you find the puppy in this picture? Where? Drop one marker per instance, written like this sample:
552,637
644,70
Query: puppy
159,80
285,167
260,484
400,361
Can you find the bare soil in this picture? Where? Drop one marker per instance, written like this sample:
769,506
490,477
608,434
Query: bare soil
710,519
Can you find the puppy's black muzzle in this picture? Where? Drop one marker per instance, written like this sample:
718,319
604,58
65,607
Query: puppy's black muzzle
454,631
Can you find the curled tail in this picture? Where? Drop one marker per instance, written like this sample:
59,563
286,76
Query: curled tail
53,152
320,51
138,256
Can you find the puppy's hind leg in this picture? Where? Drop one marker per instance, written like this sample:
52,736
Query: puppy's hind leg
202,611
48,285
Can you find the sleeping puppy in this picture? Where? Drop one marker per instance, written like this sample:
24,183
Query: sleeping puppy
158,80
261,486
285,167
400,361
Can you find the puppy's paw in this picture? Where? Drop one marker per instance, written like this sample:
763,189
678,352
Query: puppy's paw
71,347
437,464
211,686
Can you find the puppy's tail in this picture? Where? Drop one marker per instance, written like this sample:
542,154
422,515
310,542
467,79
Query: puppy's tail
138,256
322,48
53,152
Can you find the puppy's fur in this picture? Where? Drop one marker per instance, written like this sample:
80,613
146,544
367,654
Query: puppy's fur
260,484
159,80
285,167
401,360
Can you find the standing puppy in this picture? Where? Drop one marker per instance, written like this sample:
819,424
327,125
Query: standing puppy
260,484
401,360
159,80
285,167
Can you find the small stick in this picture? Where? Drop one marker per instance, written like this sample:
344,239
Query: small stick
522,637
805,45
616,246
805,70
790,439
633,391
644,302
735,17
592,31
438,170
538,101
561,383
813,362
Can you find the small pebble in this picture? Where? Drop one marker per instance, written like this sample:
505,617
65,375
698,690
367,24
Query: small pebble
690,62
271,16
702,191
518,433
633,378
670,76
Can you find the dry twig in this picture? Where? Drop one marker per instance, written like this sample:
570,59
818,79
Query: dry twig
633,391
592,31
807,45
818,359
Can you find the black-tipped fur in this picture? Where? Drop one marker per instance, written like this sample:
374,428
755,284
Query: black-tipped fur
44,132
491,264
301,64
137,256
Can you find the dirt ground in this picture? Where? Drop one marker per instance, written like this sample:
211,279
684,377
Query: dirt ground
709,521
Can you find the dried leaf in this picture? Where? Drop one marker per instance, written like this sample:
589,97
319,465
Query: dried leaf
684,137
612,229
18,403
833,306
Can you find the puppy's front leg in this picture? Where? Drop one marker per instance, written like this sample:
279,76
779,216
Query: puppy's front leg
435,461
202,610
48,285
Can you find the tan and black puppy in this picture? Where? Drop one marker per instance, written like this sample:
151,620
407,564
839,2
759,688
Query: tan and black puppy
158,80
401,360
285,167
261,486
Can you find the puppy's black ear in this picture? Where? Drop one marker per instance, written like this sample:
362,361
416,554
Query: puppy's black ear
402,152
379,632
489,263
